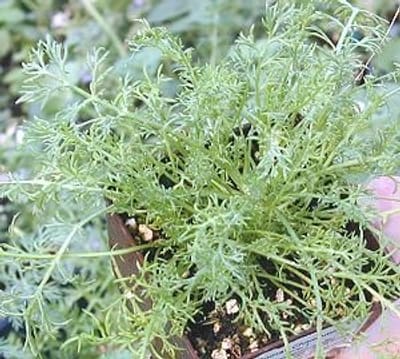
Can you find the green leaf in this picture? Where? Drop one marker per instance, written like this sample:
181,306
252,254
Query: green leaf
389,56
14,75
11,15
5,42
146,60
168,10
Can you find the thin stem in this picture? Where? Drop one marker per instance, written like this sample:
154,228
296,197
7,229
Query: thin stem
347,28
214,39
351,163
300,275
396,15
64,247
387,303
30,4
318,301
44,183
91,9
50,270
275,281
273,257
118,252
372,291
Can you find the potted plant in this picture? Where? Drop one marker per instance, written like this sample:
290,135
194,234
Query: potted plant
237,182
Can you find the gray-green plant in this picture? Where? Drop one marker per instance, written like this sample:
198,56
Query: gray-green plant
248,162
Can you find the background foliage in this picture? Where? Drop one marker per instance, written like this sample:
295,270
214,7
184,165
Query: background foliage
81,290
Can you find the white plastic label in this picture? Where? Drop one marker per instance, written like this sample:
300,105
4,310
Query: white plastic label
305,347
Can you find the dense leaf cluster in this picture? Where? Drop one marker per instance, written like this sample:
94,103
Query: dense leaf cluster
245,165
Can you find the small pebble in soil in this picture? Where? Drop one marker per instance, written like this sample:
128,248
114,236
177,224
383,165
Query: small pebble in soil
219,354
131,224
216,327
305,327
279,296
313,302
253,346
265,340
145,233
300,328
297,329
227,344
248,332
287,314
201,344
185,274
236,351
232,306
340,312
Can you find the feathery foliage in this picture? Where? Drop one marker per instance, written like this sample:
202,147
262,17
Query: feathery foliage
242,164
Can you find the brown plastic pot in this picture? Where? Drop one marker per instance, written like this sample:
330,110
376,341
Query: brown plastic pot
301,346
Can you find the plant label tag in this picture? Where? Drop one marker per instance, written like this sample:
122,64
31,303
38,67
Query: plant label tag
304,347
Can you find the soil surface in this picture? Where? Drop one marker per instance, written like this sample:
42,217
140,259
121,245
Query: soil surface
218,332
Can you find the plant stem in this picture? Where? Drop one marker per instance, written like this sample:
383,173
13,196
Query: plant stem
272,256
118,252
91,9
318,301
284,284
63,248
377,295
214,39
392,23
44,183
35,298
354,13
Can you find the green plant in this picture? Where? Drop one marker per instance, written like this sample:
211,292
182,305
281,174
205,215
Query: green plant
81,25
242,164
210,25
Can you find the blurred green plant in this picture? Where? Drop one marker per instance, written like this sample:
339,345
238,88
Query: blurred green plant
226,207
54,294
210,26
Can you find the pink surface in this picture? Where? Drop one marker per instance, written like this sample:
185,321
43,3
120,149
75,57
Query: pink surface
382,339
387,203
